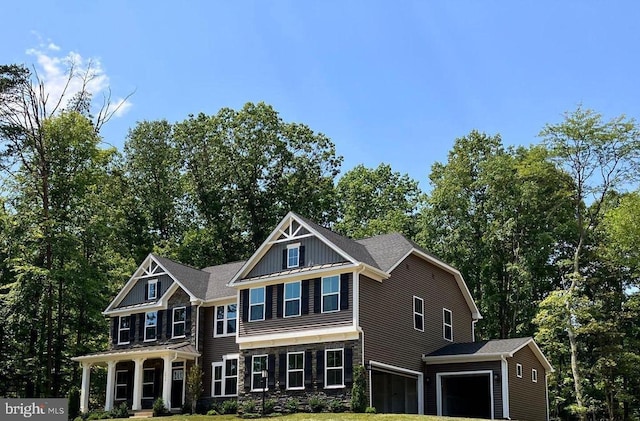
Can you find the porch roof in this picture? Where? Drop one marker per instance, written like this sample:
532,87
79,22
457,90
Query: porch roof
179,350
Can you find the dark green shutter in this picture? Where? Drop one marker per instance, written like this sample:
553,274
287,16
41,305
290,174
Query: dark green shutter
348,366
268,305
344,291
169,323
280,299
317,295
114,329
282,371
320,369
301,256
247,373
159,331
284,258
271,369
305,296
187,324
308,369
132,328
244,296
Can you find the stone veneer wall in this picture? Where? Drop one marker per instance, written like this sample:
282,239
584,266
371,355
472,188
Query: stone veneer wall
281,395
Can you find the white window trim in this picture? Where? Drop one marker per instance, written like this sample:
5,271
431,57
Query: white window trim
286,300
263,303
120,330
153,282
322,295
153,370
327,368
155,325
266,383
224,320
534,375
519,370
297,370
120,385
223,365
174,323
290,247
445,324
418,313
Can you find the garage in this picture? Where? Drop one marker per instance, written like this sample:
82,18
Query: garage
394,393
465,395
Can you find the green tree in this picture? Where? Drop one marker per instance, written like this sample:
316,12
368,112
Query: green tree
599,156
377,201
246,169
194,386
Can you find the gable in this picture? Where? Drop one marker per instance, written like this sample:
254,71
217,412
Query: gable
315,251
137,293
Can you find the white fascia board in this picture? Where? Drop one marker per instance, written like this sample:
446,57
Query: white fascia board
475,312
220,300
298,276
128,285
161,304
299,337
447,359
134,353
537,352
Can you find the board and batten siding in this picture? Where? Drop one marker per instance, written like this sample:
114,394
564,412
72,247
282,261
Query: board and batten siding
298,323
137,294
430,379
386,313
213,348
316,253
527,400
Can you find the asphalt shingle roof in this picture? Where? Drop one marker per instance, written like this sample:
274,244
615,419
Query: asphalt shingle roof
219,276
195,280
495,346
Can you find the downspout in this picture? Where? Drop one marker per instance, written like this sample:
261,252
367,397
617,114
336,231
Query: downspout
505,388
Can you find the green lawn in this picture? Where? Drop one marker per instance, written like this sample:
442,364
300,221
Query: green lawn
314,417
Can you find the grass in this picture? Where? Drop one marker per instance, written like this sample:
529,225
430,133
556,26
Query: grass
317,417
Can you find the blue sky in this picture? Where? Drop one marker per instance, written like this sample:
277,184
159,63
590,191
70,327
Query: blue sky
387,81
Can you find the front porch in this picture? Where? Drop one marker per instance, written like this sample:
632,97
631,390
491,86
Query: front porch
139,376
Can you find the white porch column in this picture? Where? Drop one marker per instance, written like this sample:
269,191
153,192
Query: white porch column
84,390
111,377
137,384
166,381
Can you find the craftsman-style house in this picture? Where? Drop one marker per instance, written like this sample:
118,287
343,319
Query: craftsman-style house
300,314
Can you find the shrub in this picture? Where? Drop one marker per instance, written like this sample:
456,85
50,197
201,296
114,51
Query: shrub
99,415
229,407
316,403
159,408
74,402
371,410
249,406
194,386
292,405
269,406
78,418
120,411
212,412
358,391
336,405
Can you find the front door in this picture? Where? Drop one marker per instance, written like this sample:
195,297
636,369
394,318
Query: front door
177,387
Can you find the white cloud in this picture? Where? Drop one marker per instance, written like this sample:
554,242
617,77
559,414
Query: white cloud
54,68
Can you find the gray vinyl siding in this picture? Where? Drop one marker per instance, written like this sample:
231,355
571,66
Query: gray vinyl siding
303,322
527,400
430,383
316,253
137,293
386,313
213,348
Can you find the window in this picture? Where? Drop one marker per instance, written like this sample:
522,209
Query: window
150,324
152,289
534,375
334,369
418,314
179,322
122,377
225,377
519,370
258,363
124,327
292,301
330,294
293,255
148,381
226,317
256,304
447,324
295,370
